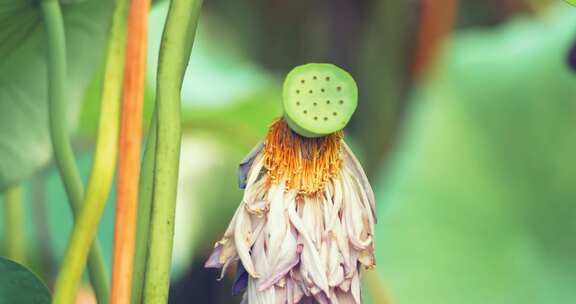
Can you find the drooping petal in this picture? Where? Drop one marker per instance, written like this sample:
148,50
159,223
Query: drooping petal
278,223
240,281
300,247
281,296
287,259
345,297
246,163
255,296
366,257
267,296
367,211
335,269
321,298
257,207
289,291
310,260
353,218
352,162
213,260
225,266
312,219
242,239
276,275
355,287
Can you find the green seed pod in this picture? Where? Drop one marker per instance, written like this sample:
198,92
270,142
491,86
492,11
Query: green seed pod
319,99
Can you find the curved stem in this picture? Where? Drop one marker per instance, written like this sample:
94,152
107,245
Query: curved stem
15,225
63,154
177,40
144,209
103,167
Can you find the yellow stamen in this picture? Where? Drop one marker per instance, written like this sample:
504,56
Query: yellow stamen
306,163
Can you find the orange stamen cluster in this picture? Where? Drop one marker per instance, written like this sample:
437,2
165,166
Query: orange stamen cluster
306,163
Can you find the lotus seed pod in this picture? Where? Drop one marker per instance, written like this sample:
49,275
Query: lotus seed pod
319,99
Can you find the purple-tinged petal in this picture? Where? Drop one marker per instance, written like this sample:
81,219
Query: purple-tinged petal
289,291
345,286
246,163
265,283
321,298
345,297
225,266
288,258
213,260
240,281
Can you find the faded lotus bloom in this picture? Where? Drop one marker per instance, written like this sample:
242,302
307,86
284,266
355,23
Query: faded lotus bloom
305,224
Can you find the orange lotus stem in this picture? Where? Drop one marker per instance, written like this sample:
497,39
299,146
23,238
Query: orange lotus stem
129,149
436,21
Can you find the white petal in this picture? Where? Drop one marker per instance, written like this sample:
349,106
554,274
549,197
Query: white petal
366,208
353,220
242,239
277,222
309,257
355,288
352,162
335,270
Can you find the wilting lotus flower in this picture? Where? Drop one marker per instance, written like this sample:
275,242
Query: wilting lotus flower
305,225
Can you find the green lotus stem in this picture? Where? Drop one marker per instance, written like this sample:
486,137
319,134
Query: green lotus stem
15,226
144,209
63,153
177,41
103,167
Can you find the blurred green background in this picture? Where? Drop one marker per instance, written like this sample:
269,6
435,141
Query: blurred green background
466,126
